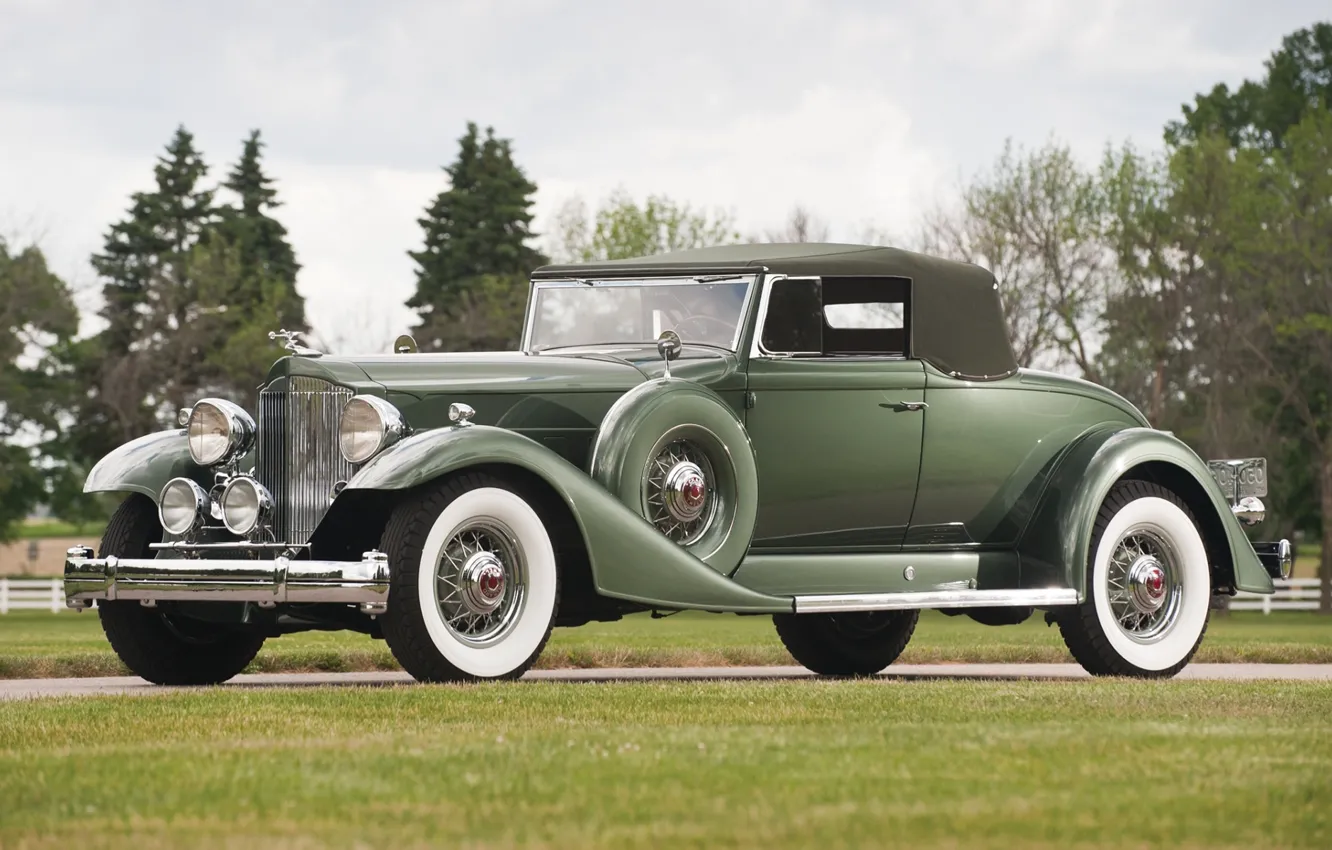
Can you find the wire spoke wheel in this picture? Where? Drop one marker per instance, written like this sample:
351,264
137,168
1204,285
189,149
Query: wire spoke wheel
1143,584
679,491
480,582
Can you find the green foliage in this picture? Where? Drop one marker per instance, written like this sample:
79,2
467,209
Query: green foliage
36,313
1260,113
476,231
191,290
621,229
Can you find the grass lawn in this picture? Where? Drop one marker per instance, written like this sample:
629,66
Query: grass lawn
58,528
720,764
34,644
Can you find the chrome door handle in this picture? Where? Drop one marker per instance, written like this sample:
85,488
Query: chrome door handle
910,405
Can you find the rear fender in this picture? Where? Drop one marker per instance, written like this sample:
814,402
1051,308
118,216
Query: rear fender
629,558
145,465
1054,546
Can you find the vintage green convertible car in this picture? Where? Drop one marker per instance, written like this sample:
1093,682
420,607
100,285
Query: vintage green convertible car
834,435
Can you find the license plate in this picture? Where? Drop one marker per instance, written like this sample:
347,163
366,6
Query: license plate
1240,478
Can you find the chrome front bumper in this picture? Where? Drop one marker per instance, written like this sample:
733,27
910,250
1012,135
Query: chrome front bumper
363,583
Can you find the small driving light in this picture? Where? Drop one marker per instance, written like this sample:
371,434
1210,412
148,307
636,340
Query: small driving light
368,426
245,503
461,413
218,431
181,505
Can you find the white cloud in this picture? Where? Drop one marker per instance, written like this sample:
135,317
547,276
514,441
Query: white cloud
862,111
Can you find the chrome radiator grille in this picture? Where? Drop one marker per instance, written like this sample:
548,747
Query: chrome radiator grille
298,458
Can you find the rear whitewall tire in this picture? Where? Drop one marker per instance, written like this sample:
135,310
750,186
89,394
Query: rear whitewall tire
417,539
1148,646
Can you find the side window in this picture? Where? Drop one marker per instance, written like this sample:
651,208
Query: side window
865,315
794,323
832,316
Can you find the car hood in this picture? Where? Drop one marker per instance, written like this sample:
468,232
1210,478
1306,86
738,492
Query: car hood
498,372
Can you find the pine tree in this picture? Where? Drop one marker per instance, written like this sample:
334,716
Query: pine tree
148,249
261,240
149,359
477,234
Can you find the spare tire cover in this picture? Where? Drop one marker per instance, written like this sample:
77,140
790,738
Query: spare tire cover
675,453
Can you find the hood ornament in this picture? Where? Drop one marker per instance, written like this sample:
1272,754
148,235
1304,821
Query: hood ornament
291,341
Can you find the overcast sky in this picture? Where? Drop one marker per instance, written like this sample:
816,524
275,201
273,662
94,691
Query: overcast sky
864,112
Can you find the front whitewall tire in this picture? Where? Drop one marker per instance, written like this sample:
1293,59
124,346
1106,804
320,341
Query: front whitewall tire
537,607
474,584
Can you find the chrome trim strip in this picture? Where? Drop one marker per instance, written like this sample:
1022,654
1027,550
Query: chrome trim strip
364,583
1038,597
238,545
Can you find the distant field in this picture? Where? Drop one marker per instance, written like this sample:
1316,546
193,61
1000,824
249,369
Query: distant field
737,764
40,644
59,528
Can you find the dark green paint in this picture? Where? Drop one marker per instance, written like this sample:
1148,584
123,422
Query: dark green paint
837,459
790,575
630,559
1054,547
990,446
146,464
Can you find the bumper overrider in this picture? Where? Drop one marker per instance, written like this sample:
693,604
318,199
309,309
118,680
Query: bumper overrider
267,583
1243,481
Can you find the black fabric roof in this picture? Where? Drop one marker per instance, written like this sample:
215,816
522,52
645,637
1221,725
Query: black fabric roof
956,317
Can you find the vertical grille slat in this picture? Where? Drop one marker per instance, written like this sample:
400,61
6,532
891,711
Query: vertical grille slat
299,461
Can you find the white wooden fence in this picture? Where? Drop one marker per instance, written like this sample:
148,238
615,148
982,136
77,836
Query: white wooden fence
40,594
1292,594
48,594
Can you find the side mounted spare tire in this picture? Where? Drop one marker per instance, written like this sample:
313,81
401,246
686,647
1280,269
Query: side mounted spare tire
678,455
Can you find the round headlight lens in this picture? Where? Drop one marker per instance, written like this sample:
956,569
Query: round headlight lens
245,502
181,504
368,426
218,430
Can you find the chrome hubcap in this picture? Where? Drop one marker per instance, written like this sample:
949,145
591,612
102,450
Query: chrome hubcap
1143,585
686,491
677,492
481,582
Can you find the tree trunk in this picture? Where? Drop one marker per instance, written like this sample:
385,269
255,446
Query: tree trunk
1325,568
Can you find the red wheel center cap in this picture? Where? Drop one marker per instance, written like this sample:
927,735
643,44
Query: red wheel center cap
693,492
1154,582
490,582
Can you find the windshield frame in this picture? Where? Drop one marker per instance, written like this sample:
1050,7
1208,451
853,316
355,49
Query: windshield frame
741,325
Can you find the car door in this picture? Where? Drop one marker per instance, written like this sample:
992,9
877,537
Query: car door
836,415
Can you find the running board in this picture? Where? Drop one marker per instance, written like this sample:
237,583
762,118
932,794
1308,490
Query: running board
1035,598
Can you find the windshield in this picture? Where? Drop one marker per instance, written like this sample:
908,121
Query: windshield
637,311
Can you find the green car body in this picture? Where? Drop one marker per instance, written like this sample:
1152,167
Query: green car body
947,467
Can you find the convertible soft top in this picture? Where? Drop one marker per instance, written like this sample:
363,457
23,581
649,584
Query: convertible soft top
957,321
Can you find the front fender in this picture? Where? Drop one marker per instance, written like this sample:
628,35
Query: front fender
1054,547
144,465
629,558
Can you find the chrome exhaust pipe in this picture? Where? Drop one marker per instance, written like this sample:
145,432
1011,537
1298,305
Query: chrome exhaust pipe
363,583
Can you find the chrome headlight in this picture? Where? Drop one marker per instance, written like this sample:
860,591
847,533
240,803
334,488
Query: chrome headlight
218,431
368,426
181,505
245,503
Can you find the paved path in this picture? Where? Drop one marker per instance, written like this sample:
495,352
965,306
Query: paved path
27,688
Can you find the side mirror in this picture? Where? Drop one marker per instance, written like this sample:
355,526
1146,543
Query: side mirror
668,346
